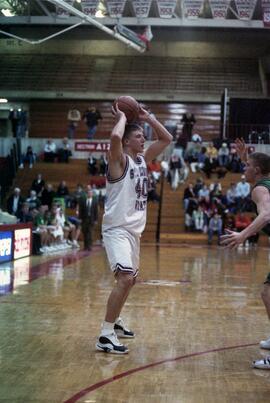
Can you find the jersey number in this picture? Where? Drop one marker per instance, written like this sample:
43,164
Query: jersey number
141,188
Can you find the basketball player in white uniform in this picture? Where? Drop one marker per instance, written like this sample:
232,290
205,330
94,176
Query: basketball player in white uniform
125,216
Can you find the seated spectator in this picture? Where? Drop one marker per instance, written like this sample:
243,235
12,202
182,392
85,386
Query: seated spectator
215,190
154,168
223,155
14,202
49,151
64,152
196,138
24,215
198,186
192,205
92,165
242,221
62,191
231,196
75,197
103,165
243,200
47,196
188,194
198,219
152,193
40,228
203,193
229,221
235,165
28,158
33,201
215,227
38,185
210,162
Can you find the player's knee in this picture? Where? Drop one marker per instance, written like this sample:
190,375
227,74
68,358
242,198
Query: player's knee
126,280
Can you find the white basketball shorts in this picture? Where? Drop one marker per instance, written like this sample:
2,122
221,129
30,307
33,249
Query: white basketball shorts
123,250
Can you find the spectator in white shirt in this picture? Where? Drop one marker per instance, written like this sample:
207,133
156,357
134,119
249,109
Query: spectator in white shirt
243,191
203,193
49,151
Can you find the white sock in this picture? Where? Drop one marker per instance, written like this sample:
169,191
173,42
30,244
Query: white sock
107,328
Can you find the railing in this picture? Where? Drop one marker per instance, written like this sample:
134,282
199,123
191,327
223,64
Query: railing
251,133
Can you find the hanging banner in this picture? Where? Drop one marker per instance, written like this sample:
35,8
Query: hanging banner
266,12
245,8
116,8
219,8
141,8
192,8
166,8
61,13
89,7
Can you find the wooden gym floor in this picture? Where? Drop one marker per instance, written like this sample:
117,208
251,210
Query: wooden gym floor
196,312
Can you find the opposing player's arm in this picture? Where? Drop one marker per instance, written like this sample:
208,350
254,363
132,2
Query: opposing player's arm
164,137
260,196
116,158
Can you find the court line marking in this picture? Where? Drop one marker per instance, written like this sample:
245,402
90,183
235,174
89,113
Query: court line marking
124,374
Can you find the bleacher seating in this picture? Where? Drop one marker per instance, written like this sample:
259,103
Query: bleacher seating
49,118
136,75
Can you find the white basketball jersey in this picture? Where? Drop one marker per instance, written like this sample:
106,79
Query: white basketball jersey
126,198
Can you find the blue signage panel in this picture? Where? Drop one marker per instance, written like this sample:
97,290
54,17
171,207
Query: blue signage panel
5,246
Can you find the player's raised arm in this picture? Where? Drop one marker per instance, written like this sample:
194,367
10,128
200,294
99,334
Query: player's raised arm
241,149
116,159
164,137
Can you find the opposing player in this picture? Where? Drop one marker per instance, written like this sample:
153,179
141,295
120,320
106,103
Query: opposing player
125,216
258,173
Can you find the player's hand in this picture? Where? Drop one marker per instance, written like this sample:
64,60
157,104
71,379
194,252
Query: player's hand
231,239
144,116
241,149
118,114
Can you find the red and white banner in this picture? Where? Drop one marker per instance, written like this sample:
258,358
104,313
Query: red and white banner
266,12
116,8
141,8
166,8
219,8
22,242
89,7
192,8
61,13
245,8
89,146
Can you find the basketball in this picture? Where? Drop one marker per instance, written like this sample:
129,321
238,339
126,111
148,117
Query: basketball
129,106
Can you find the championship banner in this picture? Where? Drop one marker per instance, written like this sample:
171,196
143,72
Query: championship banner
61,13
219,8
116,8
266,12
141,8
192,8
89,7
245,8
166,8
86,146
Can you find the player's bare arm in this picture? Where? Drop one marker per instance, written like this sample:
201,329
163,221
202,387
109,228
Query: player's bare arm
116,157
261,197
164,137
241,149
